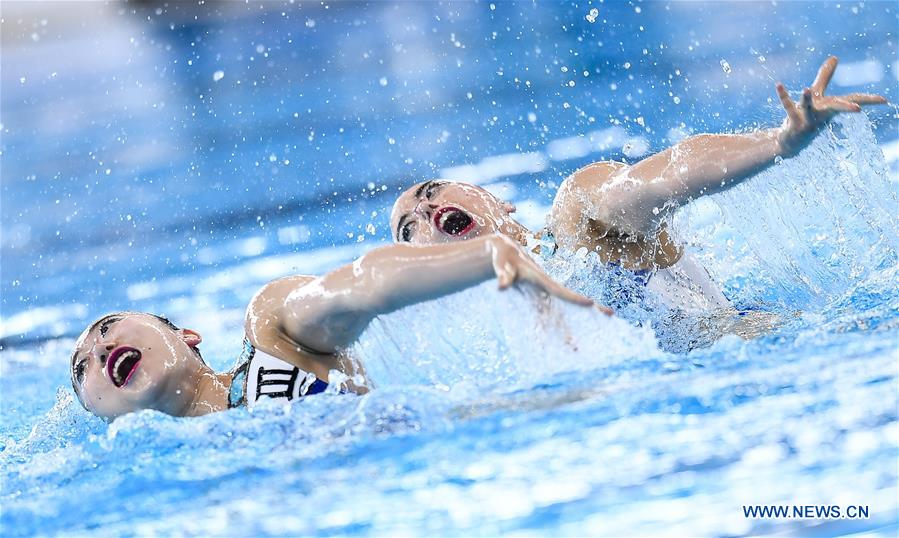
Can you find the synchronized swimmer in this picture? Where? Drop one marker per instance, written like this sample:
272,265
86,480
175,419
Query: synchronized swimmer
620,211
300,328
297,330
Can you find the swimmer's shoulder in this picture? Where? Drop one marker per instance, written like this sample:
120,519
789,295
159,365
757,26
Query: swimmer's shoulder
589,179
263,315
580,190
264,328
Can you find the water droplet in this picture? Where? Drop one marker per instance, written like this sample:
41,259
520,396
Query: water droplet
218,75
778,160
676,100
382,81
725,66
591,17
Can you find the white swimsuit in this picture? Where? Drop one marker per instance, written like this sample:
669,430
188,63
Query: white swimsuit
259,374
687,286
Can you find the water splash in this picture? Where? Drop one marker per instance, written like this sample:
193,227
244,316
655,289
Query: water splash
802,234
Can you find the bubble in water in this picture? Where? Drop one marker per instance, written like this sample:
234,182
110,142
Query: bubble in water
725,66
778,160
218,75
382,81
676,100
591,17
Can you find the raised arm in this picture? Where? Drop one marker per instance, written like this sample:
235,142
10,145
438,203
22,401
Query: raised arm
329,313
636,199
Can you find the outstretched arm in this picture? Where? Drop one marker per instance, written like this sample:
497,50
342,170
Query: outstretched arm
636,199
329,313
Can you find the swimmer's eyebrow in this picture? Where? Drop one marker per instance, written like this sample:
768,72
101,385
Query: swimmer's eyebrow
434,186
421,188
89,330
399,225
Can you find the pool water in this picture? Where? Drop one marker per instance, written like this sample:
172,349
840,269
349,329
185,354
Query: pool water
184,161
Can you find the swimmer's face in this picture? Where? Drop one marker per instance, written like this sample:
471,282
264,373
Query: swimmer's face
446,211
129,361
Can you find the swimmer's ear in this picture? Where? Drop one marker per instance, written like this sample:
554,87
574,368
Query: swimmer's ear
191,338
509,208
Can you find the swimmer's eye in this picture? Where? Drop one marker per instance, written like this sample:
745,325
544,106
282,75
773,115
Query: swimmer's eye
105,325
80,366
406,233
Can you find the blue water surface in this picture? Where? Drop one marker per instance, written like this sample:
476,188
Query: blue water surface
173,159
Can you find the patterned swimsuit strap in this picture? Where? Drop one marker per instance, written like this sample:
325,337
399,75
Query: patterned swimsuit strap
237,395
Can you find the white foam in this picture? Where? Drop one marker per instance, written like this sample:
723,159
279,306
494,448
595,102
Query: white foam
42,316
575,147
496,167
890,151
857,73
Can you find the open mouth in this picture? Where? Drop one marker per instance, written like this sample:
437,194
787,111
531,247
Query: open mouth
453,221
121,365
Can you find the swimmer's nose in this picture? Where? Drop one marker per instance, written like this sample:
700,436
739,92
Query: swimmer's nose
101,351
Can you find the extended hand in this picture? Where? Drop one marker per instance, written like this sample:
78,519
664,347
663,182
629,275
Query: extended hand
815,109
512,265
